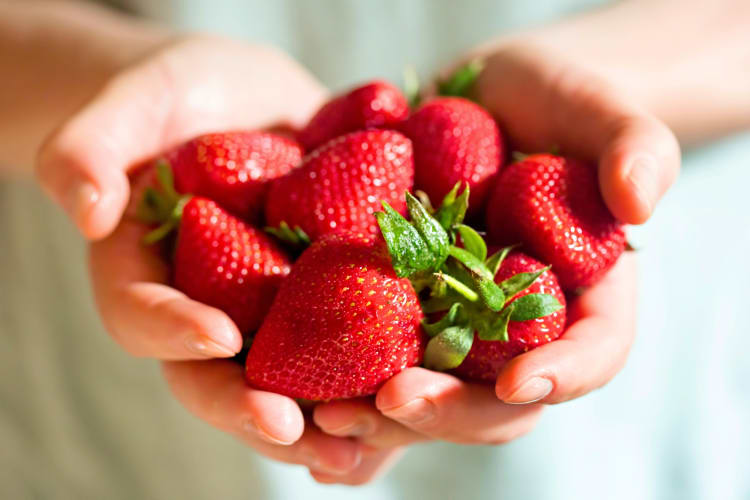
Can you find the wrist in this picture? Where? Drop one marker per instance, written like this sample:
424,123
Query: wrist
65,52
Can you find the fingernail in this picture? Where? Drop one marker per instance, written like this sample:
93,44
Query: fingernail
354,429
530,392
314,463
642,174
202,346
251,427
81,197
417,411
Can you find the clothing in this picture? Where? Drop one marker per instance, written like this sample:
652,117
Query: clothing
81,419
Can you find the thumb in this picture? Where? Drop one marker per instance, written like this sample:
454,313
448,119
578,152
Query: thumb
639,162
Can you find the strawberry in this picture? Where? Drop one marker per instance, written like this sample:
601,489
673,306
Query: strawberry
552,205
487,309
234,168
454,140
341,325
487,357
376,104
339,186
218,259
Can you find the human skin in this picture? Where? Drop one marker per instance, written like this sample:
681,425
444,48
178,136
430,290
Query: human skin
142,91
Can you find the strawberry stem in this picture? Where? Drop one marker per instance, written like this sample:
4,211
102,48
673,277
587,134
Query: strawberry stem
296,239
459,287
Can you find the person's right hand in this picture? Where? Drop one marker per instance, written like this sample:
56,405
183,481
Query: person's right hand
191,86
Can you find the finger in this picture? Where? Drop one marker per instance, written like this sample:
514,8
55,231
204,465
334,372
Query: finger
373,465
591,351
444,407
638,156
216,392
83,166
156,105
639,162
358,418
147,317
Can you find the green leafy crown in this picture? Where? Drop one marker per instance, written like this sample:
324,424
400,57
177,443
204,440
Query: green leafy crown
457,280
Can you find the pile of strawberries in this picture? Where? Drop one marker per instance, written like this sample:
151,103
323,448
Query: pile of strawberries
328,254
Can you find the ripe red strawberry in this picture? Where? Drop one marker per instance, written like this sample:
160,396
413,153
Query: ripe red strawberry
487,357
376,104
218,259
553,206
341,184
233,168
454,140
223,262
341,325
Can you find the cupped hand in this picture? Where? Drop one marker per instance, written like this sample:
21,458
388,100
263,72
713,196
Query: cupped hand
418,404
191,86
542,102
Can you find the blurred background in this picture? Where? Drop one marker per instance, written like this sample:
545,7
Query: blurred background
79,418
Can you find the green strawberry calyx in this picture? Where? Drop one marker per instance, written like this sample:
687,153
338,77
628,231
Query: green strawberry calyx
295,236
457,280
162,206
460,82
457,84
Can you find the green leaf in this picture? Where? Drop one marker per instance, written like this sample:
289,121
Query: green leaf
166,179
534,305
157,204
296,236
472,241
491,294
430,229
160,232
409,254
153,207
449,319
453,208
449,348
497,258
519,282
410,251
461,81
171,222
498,329
460,272
468,259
